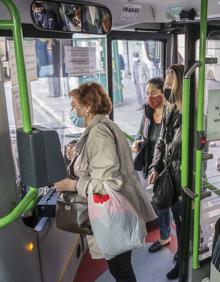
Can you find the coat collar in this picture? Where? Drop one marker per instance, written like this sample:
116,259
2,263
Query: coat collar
98,118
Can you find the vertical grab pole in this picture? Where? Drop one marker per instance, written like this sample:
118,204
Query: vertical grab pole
185,132
15,25
187,194
200,129
184,256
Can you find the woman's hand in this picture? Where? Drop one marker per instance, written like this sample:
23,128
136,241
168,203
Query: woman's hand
152,177
70,150
136,146
65,185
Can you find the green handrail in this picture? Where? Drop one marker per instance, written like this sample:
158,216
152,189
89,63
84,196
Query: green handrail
187,194
185,133
200,129
14,24
22,207
129,137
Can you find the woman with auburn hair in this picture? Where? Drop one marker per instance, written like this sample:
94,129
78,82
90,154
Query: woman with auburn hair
103,158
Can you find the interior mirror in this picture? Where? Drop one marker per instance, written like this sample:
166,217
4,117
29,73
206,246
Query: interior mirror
71,17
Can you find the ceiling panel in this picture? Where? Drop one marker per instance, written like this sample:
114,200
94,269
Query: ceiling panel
150,10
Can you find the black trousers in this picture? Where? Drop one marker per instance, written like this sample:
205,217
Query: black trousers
177,209
121,268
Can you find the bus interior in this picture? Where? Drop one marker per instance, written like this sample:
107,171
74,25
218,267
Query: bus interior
59,56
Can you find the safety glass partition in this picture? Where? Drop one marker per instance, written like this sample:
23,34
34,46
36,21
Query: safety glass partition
133,64
210,206
54,67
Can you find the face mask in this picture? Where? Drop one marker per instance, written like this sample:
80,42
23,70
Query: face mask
167,93
76,120
155,102
136,59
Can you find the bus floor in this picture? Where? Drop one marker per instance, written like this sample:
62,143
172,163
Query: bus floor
148,267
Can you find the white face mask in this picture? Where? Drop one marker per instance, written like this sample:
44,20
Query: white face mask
136,59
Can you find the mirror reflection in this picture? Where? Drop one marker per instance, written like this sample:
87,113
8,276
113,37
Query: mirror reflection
47,16
72,16
96,20
68,17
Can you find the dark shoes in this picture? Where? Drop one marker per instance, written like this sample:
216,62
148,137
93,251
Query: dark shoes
156,246
174,273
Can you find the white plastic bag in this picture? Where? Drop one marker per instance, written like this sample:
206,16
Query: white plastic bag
116,225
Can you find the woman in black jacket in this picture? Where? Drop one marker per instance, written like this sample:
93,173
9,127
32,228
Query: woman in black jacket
147,136
169,146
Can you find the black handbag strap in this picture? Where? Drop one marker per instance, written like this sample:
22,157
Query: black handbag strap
71,197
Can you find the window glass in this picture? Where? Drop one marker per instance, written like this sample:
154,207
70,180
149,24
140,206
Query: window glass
210,211
134,63
54,67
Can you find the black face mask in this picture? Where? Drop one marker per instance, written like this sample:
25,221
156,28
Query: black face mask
167,93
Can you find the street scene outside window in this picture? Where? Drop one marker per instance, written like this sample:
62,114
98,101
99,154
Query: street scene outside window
56,66
134,63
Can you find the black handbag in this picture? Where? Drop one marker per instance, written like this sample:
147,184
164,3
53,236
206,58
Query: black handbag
72,213
140,159
164,190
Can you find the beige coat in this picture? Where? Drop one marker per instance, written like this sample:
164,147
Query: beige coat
105,157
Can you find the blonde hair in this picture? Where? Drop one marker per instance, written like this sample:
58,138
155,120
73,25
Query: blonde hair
177,71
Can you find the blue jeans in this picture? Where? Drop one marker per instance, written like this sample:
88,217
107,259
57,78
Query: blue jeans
164,220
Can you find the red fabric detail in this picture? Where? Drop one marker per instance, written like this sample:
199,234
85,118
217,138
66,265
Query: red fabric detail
155,102
100,199
153,236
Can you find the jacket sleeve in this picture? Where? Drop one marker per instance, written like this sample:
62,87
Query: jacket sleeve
159,150
139,134
103,163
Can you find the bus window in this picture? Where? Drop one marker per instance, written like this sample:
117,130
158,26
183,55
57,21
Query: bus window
134,63
53,67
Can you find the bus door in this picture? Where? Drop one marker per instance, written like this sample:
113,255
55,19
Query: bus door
126,86
203,230
210,206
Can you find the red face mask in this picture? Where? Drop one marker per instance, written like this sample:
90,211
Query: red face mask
155,102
